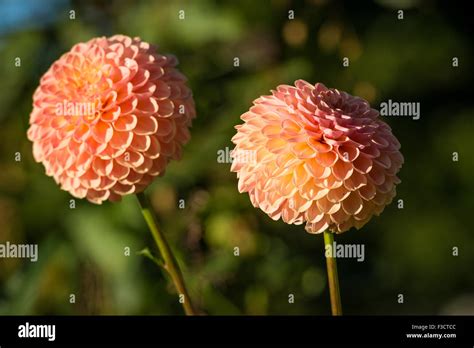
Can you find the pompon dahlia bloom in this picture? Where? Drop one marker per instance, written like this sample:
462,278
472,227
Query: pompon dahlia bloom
108,116
320,156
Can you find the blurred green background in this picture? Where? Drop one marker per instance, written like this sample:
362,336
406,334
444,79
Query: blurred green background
409,251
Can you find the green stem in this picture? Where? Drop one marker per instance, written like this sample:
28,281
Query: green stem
333,278
169,261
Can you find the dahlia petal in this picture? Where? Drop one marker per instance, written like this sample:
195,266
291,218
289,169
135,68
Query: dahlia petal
119,171
111,115
289,215
324,204
158,166
318,146
339,217
302,150
175,91
102,167
163,90
311,192
140,78
381,198
165,108
166,128
361,223
286,160
146,125
332,134
146,91
129,105
366,211
316,170
345,225
126,123
326,159
110,100
154,149
132,178
168,149
271,131
368,191
97,196
106,182
113,197
372,151
362,164
377,176
58,122
94,147
58,142
337,194
124,76
276,145
347,153
262,156
300,176
136,159
144,182
124,93
140,143
79,192
123,189
383,160
303,85
90,179
102,132
182,135
342,170
380,141
123,159
147,105
286,188
121,140
111,152
330,182
81,133
317,227
387,185
352,204
355,181
313,214
70,183
290,126
334,208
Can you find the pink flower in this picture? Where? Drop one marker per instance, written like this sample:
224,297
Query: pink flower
108,116
320,156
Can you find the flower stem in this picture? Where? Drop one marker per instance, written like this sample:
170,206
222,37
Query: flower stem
169,261
333,278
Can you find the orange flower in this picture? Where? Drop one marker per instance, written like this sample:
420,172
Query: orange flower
316,155
108,116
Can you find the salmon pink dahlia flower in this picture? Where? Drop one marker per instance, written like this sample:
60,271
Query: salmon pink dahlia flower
108,116
320,157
